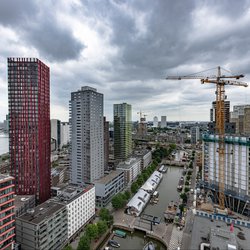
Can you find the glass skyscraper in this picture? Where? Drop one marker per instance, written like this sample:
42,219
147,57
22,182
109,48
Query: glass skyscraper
122,131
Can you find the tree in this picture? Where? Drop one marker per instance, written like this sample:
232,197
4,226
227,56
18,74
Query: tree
145,176
140,180
106,216
92,231
181,207
102,227
183,197
69,247
134,187
186,189
127,194
118,201
84,243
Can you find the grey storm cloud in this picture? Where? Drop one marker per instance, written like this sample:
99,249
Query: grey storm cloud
37,27
145,40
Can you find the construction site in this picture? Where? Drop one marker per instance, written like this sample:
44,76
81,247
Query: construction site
221,198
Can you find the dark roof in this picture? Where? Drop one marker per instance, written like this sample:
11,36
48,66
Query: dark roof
41,212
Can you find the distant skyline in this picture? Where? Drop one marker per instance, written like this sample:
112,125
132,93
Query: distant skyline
125,49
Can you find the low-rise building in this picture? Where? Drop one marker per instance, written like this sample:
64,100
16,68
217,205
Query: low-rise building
145,156
80,204
7,213
131,168
138,202
108,186
23,203
152,182
44,227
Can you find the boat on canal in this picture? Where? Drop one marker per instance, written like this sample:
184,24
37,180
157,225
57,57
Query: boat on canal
163,169
120,233
170,211
149,246
108,248
180,184
114,243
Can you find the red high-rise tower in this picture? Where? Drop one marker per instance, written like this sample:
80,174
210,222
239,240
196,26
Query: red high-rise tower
29,126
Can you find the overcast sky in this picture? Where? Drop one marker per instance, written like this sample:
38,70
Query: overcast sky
125,49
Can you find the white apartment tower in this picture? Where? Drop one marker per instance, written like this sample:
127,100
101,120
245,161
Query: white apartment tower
155,122
163,121
87,137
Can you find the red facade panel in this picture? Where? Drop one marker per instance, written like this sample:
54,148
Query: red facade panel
7,214
29,127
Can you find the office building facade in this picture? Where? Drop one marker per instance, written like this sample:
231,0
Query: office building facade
163,121
241,117
80,205
87,136
56,131
131,169
44,227
7,212
64,133
106,143
122,131
155,122
195,134
29,126
108,186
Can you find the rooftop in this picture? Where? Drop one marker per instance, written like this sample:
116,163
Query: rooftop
201,230
128,164
20,200
41,212
5,177
221,238
109,177
69,193
141,152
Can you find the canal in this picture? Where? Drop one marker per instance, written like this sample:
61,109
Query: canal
167,192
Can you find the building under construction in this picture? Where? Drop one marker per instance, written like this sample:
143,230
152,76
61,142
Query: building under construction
236,171
226,159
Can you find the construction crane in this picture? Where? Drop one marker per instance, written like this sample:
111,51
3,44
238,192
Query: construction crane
142,126
220,81
142,116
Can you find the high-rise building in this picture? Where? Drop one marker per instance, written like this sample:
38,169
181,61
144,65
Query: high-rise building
7,213
29,126
56,131
163,122
122,131
106,143
64,133
241,117
86,130
195,134
155,122
6,124
236,170
229,126
226,111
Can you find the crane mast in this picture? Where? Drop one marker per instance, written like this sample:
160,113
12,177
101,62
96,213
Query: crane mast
220,118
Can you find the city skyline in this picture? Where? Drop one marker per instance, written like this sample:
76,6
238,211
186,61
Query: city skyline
126,49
